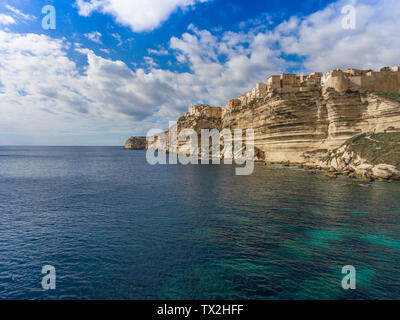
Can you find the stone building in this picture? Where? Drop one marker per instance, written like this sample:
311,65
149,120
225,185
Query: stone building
387,80
273,82
260,89
232,104
312,80
243,99
288,80
205,110
330,74
353,72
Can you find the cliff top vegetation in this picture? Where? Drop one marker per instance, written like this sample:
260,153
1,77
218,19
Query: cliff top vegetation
377,148
388,95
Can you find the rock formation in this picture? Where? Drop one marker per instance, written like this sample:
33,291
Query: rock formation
300,121
135,143
366,156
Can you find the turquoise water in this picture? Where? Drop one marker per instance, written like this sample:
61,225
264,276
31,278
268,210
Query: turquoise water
116,228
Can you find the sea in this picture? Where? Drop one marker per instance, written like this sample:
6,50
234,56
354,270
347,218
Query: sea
114,227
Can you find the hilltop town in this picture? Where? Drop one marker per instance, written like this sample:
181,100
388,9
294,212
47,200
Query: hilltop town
385,80
347,122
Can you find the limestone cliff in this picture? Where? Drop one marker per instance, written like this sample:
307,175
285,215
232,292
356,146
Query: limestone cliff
285,124
190,121
289,124
300,125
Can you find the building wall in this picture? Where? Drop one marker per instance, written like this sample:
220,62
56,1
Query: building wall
232,104
381,81
243,99
340,83
273,82
205,110
386,81
261,88
288,80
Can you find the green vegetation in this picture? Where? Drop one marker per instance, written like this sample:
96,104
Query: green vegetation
252,102
377,148
388,95
386,69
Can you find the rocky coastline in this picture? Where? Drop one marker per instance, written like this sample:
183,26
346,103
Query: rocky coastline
354,133
366,157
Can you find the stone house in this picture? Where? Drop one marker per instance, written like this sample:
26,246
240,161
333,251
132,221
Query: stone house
330,74
232,104
288,80
261,89
205,110
273,82
353,72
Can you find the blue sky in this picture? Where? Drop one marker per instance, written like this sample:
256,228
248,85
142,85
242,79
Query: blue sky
115,68
218,15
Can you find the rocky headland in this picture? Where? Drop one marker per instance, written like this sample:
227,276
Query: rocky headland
347,123
135,143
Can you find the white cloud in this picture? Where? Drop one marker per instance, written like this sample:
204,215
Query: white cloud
225,66
43,94
19,14
325,44
139,15
150,62
94,36
109,97
117,37
160,52
6,20
105,51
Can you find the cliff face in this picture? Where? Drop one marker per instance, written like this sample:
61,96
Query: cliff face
188,121
301,120
303,126
352,113
287,125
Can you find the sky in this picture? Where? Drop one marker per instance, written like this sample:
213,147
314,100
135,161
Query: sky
111,69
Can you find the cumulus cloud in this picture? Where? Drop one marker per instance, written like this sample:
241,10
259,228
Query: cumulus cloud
108,95
226,65
321,39
139,15
44,93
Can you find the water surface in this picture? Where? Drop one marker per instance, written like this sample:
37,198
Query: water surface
115,227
